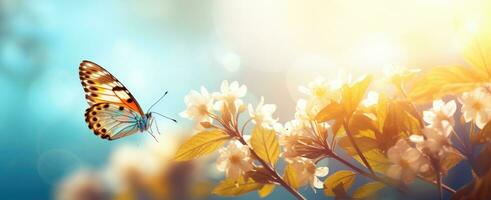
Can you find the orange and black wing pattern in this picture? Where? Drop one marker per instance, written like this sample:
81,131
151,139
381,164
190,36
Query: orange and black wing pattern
113,111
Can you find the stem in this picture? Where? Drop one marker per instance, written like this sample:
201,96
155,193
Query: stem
446,187
352,140
366,174
273,172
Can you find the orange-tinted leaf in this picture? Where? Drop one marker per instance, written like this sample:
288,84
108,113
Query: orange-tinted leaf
363,142
377,160
232,187
400,120
451,159
477,51
442,81
201,144
344,177
332,111
353,94
361,122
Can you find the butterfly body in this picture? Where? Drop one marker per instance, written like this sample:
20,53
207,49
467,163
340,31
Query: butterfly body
113,111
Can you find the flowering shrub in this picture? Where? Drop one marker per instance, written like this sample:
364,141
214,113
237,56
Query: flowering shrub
394,137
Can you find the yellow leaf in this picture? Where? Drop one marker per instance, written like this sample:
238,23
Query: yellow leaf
360,122
400,120
344,177
477,51
265,144
290,177
201,144
377,160
364,143
232,187
332,111
367,190
442,81
352,95
266,190
381,111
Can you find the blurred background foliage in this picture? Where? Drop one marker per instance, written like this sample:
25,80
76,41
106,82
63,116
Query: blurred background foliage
151,46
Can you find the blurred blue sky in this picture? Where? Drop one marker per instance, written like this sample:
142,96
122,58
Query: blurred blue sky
175,45
152,47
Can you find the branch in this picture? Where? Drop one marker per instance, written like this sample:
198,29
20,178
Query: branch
352,140
268,167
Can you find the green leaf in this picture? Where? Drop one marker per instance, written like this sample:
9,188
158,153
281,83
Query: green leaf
232,187
367,190
266,190
201,144
344,177
265,144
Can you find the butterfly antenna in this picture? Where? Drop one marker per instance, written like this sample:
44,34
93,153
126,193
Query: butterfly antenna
174,120
157,101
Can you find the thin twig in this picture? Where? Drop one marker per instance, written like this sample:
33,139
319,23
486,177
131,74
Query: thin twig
275,175
353,142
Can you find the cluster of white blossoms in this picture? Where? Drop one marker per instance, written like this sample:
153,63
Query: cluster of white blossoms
319,94
234,159
435,143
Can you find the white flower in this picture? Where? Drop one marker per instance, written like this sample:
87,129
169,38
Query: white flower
441,115
407,162
319,89
306,172
234,160
81,185
199,105
230,92
308,109
435,141
476,107
262,115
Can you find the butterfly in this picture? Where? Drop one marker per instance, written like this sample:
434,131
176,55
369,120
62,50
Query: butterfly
113,112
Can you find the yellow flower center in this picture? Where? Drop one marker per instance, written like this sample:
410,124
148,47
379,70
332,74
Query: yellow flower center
320,92
477,105
310,168
203,109
235,159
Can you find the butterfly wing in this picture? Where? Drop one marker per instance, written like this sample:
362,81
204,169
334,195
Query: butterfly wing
111,121
100,86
